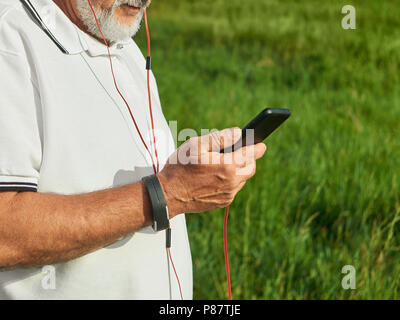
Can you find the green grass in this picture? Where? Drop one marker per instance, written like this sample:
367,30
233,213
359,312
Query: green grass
328,192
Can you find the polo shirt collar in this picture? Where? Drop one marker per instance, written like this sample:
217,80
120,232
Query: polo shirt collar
74,40
58,23
96,48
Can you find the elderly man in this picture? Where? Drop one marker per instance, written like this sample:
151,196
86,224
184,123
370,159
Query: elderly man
72,163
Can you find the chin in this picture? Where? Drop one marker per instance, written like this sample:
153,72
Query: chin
116,25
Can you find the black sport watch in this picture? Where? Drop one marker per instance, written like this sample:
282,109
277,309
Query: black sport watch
158,203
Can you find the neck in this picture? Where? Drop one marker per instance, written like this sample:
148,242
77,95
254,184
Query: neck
70,10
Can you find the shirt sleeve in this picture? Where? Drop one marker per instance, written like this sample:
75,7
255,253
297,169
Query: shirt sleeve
20,123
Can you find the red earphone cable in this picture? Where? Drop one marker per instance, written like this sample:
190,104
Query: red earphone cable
228,274
148,88
176,274
156,169
116,86
154,136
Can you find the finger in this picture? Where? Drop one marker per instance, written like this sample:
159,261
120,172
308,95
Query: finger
241,185
218,140
256,151
246,155
247,171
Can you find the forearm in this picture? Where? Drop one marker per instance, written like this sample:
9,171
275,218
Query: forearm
39,228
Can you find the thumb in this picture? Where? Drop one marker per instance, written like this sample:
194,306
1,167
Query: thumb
222,139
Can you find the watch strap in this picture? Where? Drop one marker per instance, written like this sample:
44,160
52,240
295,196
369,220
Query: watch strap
158,203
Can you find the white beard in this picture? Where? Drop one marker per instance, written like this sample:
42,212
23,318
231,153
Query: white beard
111,28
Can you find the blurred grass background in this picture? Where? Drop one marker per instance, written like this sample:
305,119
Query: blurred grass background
327,193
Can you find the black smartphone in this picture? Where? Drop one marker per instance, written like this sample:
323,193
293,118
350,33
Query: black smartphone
266,122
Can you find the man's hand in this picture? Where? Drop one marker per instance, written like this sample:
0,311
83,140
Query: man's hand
199,178
43,228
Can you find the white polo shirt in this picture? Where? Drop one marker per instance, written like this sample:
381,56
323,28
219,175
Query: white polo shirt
64,129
